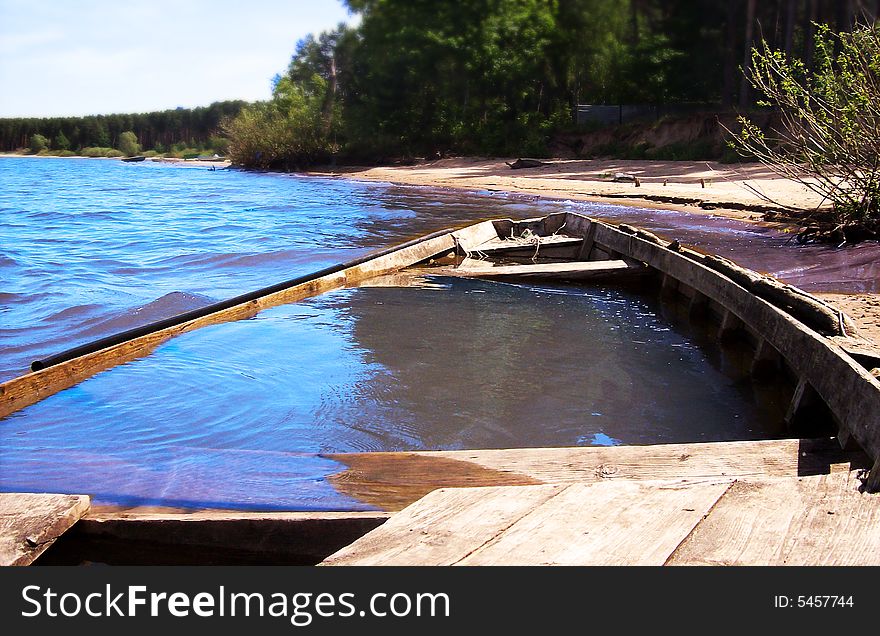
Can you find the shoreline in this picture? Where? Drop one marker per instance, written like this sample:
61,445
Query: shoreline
225,163
694,187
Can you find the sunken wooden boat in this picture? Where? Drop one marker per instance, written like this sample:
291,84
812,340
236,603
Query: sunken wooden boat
785,329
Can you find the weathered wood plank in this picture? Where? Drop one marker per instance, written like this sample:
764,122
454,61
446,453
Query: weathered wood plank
820,520
394,480
587,243
542,244
612,523
444,526
31,522
574,270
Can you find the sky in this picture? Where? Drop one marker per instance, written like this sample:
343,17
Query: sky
82,57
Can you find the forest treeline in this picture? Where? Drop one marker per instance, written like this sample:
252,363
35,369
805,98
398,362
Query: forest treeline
431,77
436,77
162,131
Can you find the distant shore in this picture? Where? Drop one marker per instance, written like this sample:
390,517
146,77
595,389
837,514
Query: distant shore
175,160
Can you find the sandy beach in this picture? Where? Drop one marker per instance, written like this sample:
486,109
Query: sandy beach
721,189
728,189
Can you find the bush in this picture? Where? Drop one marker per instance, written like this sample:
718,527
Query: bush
181,151
38,143
128,144
219,145
288,131
97,151
830,125
94,151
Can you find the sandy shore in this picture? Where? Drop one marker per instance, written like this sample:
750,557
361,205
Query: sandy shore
725,189
719,189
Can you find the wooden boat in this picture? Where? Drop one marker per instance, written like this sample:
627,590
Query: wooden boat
786,330
784,325
133,159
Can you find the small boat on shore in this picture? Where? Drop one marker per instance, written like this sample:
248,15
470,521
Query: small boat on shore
133,159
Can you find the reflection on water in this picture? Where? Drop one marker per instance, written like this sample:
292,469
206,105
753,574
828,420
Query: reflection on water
228,415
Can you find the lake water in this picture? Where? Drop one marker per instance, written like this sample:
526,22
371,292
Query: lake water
233,415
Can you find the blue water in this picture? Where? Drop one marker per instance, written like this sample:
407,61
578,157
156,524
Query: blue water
85,244
233,415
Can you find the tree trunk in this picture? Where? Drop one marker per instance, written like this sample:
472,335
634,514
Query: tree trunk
330,98
634,21
728,80
747,58
810,33
844,15
790,15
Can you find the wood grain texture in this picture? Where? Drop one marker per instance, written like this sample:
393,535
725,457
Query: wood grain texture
444,526
473,268
820,520
392,481
30,523
613,523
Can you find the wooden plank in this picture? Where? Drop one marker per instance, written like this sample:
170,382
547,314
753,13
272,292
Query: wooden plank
803,397
505,245
472,267
210,537
820,520
30,523
587,243
393,480
765,362
575,270
472,237
444,526
611,523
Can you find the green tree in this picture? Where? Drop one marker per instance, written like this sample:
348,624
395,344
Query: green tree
286,132
38,142
829,137
61,142
128,144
